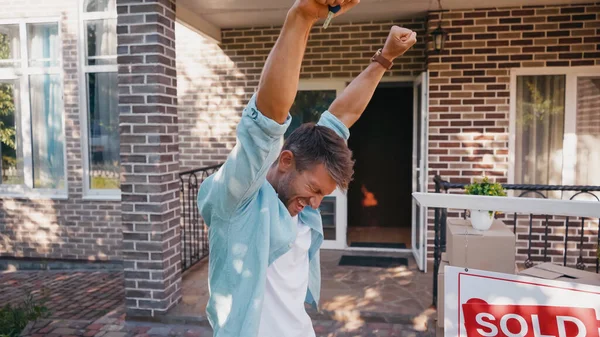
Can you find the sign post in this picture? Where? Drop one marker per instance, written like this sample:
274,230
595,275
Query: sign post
486,304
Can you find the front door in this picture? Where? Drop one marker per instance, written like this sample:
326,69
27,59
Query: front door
419,176
313,98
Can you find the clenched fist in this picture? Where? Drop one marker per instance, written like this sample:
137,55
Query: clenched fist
318,9
398,42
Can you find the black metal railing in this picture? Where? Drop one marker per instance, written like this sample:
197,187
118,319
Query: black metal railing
538,227
194,236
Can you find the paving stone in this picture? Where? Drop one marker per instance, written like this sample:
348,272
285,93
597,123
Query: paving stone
159,331
115,334
70,293
64,331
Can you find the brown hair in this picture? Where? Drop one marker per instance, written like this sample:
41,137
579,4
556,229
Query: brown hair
312,144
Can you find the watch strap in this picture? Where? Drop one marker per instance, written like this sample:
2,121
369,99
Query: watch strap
387,64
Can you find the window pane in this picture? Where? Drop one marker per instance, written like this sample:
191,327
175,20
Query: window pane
47,132
327,209
308,107
98,5
10,48
43,44
103,126
11,150
540,129
102,42
588,131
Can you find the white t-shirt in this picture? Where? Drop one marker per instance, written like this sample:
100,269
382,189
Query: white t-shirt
283,313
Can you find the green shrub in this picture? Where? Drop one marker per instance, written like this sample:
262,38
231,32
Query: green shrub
14,319
487,188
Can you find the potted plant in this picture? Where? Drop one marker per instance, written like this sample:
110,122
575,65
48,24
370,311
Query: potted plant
482,220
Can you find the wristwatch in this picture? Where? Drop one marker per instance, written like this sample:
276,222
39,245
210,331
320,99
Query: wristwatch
387,64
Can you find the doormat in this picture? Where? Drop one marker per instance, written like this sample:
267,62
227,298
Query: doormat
378,245
373,261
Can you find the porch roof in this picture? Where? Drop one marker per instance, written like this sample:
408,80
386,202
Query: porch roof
212,15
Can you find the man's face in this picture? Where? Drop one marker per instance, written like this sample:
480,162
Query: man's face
300,189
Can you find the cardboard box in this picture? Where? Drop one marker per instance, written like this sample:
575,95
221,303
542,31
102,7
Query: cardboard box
491,250
440,294
551,271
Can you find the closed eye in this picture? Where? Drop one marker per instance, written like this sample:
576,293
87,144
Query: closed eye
315,190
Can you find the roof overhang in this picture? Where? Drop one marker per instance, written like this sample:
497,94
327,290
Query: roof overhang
217,14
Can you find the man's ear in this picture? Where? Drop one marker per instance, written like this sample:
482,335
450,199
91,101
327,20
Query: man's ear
286,161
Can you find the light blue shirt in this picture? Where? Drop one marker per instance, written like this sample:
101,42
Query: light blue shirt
249,227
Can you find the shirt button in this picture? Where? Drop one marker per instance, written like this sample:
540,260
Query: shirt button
253,114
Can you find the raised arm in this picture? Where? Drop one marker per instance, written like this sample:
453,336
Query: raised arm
265,119
350,105
279,80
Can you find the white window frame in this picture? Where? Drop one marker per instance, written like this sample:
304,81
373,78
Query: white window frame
22,74
570,133
341,200
84,70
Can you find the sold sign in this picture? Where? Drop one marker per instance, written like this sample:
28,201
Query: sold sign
480,303
485,320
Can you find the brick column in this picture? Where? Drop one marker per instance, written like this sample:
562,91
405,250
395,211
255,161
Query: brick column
149,156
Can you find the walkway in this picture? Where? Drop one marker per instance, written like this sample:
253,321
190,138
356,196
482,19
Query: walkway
113,325
356,301
354,295
86,295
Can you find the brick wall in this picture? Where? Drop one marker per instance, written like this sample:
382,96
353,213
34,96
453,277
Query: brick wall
149,156
216,81
469,91
74,228
212,91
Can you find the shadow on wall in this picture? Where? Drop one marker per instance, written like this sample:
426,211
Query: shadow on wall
211,97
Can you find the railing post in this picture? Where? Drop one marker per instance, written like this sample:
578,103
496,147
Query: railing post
437,254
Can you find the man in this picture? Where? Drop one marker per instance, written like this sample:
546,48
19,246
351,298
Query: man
261,207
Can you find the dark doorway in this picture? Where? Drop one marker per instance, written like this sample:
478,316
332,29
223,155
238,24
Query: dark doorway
379,198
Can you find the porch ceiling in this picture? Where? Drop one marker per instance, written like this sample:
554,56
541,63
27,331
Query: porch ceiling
250,13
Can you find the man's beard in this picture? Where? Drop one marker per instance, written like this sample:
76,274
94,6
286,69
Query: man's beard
284,189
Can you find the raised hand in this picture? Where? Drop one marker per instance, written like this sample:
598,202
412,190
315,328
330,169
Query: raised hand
398,42
318,9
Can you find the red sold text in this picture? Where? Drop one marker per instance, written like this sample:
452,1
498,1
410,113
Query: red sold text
486,320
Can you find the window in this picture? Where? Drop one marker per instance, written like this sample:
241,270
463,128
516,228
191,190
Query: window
32,142
555,124
313,98
308,107
101,113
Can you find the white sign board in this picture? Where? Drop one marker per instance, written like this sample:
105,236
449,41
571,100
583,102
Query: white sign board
486,304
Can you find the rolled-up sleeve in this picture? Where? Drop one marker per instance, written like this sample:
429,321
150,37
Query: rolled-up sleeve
245,170
329,120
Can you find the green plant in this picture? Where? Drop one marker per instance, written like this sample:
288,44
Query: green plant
487,188
14,319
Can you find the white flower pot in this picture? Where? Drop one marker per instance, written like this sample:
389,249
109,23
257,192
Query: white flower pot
482,220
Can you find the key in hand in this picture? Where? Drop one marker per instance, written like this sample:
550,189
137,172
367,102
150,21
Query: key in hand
332,11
